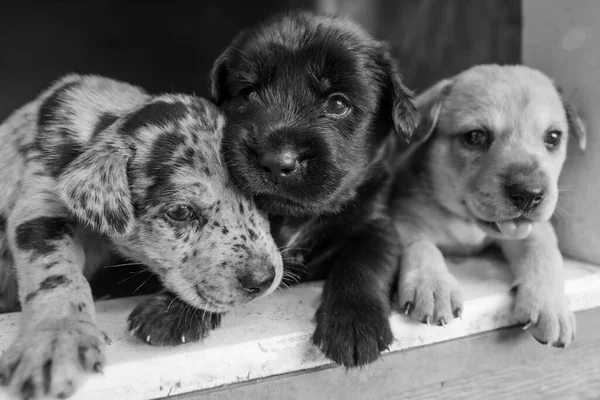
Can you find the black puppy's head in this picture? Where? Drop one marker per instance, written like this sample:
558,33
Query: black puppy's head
310,100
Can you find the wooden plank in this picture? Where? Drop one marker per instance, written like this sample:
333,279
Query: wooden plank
501,364
271,337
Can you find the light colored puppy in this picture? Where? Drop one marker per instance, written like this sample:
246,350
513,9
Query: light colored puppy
484,170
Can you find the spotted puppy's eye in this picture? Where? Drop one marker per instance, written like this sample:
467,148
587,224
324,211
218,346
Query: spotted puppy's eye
477,139
337,105
552,139
180,213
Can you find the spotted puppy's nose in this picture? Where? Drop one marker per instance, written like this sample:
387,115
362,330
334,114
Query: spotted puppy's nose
525,198
279,165
256,283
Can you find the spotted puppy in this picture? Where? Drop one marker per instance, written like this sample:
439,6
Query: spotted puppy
485,171
94,171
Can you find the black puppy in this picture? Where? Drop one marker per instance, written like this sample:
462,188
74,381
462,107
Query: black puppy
312,102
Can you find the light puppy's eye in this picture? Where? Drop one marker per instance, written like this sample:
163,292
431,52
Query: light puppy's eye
337,105
552,139
180,213
477,139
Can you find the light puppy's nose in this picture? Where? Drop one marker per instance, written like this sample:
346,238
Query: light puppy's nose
525,198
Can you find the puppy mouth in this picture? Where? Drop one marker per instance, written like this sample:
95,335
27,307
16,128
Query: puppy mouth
516,228
211,303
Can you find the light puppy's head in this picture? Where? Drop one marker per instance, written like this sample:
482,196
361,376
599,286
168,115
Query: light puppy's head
496,139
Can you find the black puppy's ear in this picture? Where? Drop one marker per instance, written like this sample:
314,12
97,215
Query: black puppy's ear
95,186
217,80
429,103
576,125
404,115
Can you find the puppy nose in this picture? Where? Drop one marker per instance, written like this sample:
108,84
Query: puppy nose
255,284
525,198
279,164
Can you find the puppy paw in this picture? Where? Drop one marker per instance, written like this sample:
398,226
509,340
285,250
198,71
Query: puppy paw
430,296
546,313
352,334
164,320
52,358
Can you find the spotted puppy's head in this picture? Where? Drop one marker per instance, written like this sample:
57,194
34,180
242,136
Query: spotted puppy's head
146,172
310,100
496,140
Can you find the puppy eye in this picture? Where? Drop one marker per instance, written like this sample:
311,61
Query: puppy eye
337,105
552,139
180,213
477,138
250,94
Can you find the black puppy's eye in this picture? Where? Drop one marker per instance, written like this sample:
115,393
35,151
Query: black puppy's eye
250,94
337,105
552,139
180,213
477,139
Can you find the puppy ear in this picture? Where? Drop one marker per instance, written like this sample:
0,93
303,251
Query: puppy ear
429,104
576,125
95,186
217,80
405,117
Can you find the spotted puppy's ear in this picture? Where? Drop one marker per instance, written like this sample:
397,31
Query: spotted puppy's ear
397,97
429,103
576,126
95,186
219,74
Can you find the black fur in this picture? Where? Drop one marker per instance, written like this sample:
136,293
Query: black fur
157,113
273,83
59,147
48,110
104,122
51,282
165,319
39,235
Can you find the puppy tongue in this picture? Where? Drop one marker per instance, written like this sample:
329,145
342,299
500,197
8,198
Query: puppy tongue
515,229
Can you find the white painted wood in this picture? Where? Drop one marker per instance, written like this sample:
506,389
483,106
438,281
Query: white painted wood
272,336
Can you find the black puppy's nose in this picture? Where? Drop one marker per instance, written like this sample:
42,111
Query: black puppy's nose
279,164
255,284
525,198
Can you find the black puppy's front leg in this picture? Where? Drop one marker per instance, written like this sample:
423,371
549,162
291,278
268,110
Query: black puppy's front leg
353,320
165,320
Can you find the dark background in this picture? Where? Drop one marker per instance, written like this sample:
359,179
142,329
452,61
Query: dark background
170,45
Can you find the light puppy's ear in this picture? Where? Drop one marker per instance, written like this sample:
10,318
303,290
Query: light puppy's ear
429,103
95,186
576,126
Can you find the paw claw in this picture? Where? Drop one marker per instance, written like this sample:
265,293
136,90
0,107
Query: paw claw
527,325
540,341
408,307
97,367
107,339
442,322
148,339
182,339
457,313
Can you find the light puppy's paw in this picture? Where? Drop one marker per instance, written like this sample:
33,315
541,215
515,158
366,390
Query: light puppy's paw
51,359
546,312
426,289
430,295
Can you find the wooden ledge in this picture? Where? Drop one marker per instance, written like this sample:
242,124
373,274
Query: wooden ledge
271,337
